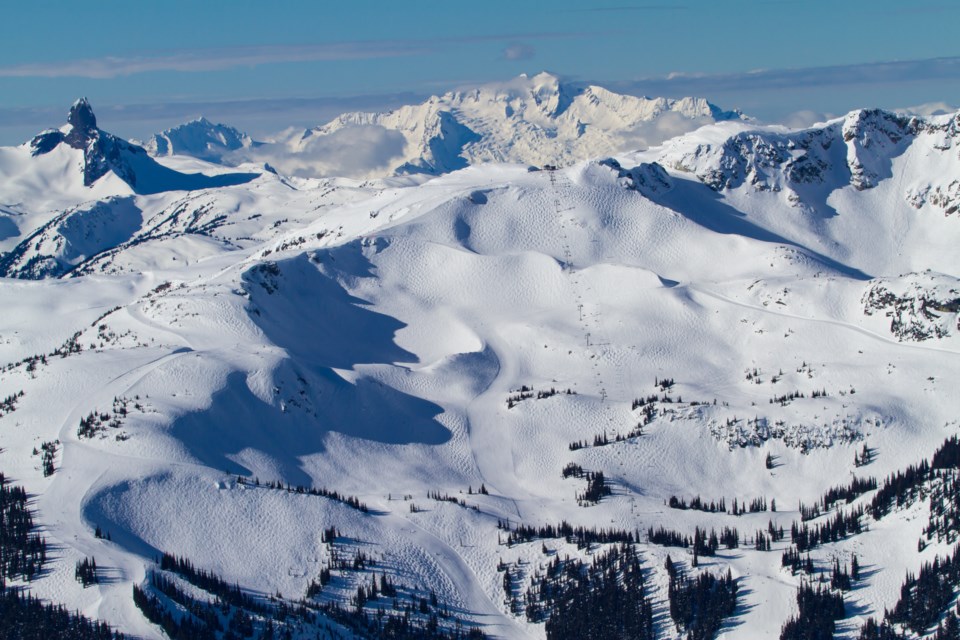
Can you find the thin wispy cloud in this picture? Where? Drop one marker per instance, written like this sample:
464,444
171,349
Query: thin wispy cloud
518,51
893,72
211,59
199,60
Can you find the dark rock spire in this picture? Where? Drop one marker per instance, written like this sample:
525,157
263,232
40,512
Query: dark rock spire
83,123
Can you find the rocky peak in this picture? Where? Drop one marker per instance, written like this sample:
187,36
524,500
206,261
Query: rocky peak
102,152
83,124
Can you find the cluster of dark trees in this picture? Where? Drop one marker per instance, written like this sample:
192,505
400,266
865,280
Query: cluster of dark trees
739,508
410,615
232,614
925,600
385,588
596,489
22,554
848,493
93,424
581,536
96,422
699,504
843,524
642,402
841,578
762,541
603,439
69,347
605,599
820,608
664,383
944,522
9,404
443,497
784,400
526,393
211,583
86,572
47,451
202,621
925,597
350,501
796,562
936,478
572,469
703,544
863,457
699,605
22,551
23,617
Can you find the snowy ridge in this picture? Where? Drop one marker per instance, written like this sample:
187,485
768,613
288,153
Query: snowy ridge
199,138
736,315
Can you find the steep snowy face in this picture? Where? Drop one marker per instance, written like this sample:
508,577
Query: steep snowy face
102,152
199,138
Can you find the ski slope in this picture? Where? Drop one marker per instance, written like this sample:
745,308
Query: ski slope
366,336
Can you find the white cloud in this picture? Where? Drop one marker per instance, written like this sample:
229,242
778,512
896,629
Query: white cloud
805,118
518,51
667,125
352,152
930,109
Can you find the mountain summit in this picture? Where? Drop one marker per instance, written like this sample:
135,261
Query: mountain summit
199,138
83,124
102,152
533,120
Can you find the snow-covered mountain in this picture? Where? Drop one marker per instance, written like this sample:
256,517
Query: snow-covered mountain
199,138
457,365
537,120
534,120
79,161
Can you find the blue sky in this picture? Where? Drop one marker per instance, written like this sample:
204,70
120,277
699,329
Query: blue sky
265,65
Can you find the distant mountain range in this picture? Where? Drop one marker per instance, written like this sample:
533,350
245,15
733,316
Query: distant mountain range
529,120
